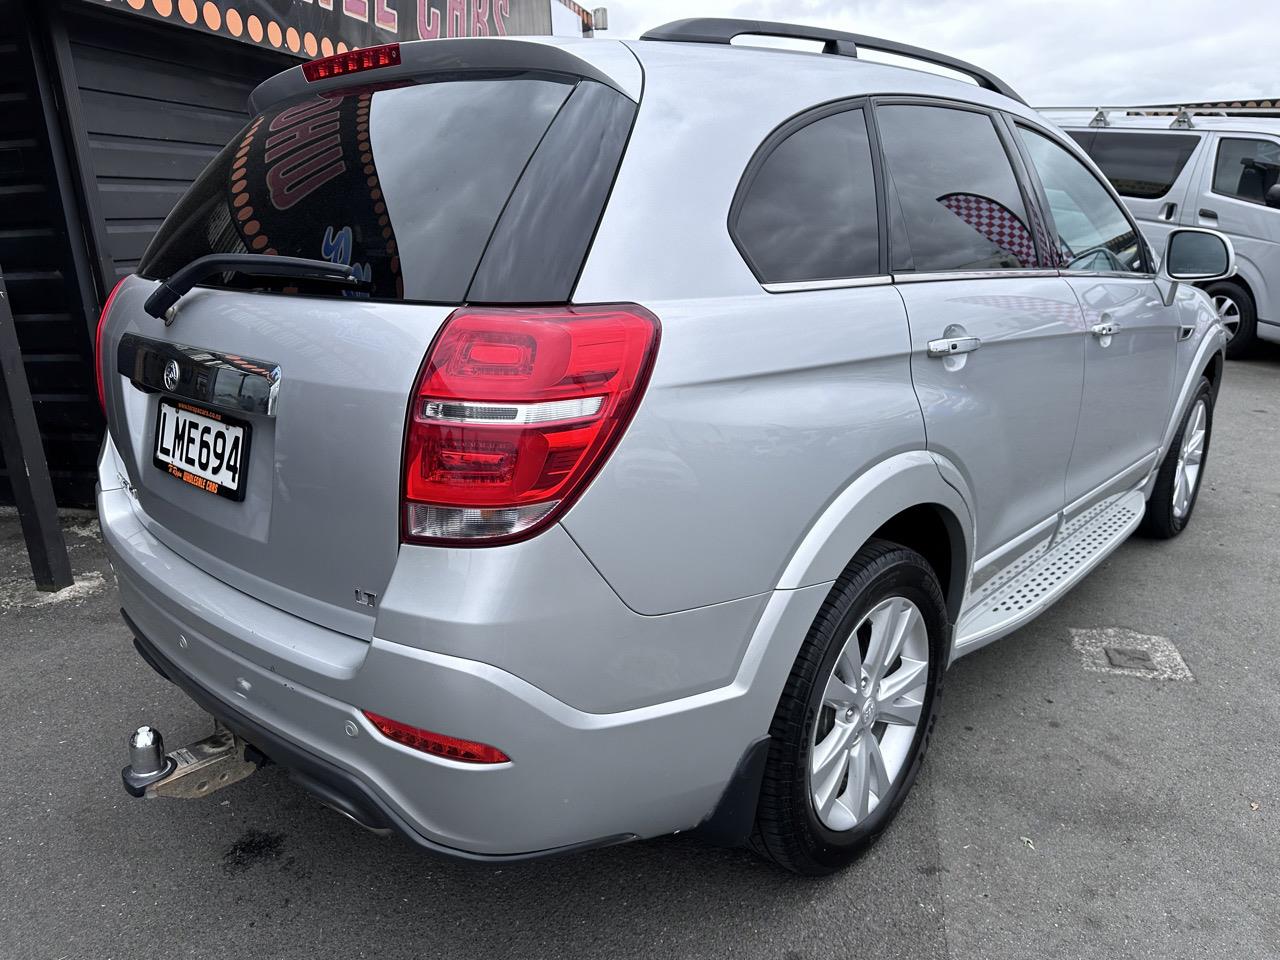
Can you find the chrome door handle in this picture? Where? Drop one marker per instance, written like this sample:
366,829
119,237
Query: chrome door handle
1104,329
949,346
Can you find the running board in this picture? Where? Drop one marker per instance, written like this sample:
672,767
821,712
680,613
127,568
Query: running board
1029,588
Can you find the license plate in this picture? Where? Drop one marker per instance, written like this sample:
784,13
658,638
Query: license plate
202,448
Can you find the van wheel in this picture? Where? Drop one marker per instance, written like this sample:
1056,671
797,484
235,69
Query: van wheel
855,717
1238,314
1178,482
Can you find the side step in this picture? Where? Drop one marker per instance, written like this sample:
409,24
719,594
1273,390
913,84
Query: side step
1009,602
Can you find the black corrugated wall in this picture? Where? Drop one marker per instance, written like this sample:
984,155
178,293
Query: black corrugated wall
139,108
158,103
36,259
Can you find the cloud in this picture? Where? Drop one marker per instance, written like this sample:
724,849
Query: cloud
1087,52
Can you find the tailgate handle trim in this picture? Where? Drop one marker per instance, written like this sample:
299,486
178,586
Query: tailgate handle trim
220,381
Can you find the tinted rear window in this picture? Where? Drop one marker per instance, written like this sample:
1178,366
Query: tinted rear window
405,183
809,210
960,204
1139,165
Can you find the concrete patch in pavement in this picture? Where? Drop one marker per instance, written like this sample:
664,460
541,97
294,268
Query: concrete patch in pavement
22,593
1129,654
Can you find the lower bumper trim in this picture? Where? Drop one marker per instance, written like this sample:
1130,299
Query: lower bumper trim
330,784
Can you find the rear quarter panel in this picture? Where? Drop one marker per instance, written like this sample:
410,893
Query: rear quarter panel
762,407
760,411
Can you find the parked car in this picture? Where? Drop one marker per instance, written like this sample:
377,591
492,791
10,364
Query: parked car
1209,171
539,444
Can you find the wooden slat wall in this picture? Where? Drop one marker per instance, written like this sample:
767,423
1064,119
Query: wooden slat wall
36,262
159,102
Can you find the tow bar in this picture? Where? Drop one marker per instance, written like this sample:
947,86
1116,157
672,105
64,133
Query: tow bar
196,770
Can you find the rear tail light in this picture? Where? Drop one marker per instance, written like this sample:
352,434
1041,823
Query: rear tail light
354,61
437,744
514,412
97,346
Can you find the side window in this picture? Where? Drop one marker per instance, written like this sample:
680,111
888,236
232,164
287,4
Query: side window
808,212
1141,165
960,205
1093,232
1246,169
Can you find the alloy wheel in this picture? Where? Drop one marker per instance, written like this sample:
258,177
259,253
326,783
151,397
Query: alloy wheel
871,708
1229,313
1190,459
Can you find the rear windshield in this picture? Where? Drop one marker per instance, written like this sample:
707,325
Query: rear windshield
410,184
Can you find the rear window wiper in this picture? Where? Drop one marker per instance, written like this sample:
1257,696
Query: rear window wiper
160,303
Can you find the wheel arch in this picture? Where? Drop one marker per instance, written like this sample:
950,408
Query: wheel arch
903,499
1208,361
1239,279
1213,371
934,532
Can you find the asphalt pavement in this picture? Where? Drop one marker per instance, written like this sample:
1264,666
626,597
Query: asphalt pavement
1063,812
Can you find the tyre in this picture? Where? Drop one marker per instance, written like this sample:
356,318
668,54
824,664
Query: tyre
1178,482
1238,313
856,714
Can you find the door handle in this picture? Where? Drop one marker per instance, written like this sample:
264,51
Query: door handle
1104,329
1206,212
950,346
1168,211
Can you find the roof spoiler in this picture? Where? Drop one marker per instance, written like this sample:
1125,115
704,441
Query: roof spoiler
835,42
459,55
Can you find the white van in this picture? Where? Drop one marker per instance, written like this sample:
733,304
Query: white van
1221,172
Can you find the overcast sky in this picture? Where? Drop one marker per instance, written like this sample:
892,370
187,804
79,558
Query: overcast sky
1051,51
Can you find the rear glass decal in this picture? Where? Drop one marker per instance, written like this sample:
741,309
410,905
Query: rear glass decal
295,168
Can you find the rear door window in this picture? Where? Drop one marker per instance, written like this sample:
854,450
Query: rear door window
807,210
1246,168
406,183
960,204
1139,165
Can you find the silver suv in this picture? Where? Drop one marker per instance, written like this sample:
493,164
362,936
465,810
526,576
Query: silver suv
541,444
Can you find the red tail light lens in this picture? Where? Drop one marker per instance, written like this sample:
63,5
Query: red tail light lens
97,346
354,61
437,744
515,411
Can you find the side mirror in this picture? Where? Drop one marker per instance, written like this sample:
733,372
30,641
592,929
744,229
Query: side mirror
1196,255
1273,195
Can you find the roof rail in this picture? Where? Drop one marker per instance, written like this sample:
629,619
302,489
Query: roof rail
1183,117
837,42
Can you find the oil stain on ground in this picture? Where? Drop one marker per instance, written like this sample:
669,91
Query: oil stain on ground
253,847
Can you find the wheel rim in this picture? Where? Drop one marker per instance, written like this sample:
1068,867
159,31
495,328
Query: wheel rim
1190,459
1229,314
871,708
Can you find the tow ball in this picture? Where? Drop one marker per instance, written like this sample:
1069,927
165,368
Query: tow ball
196,770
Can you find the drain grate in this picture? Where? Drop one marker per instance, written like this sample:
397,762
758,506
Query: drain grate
1129,654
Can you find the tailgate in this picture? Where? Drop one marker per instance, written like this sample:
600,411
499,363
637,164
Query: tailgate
322,386
437,187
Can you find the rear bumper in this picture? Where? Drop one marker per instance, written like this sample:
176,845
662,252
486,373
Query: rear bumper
296,691
332,785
